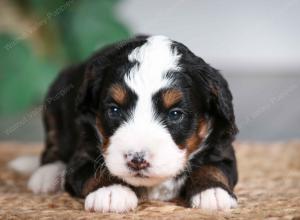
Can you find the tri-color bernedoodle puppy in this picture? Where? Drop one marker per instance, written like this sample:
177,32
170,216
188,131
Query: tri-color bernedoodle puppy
141,119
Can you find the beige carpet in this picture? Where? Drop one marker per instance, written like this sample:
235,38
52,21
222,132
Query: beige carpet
269,188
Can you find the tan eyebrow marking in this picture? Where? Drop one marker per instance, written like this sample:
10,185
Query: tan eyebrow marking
118,93
170,97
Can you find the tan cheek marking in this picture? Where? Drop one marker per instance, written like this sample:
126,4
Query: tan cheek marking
118,93
193,143
203,129
170,97
196,139
105,139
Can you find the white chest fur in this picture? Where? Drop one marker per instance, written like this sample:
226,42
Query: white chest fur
166,190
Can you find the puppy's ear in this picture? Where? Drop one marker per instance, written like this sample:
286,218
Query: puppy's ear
89,92
219,105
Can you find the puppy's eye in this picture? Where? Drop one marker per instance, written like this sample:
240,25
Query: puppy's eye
175,115
114,111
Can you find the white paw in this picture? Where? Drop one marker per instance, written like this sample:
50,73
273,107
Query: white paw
115,198
25,164
48,178
213,199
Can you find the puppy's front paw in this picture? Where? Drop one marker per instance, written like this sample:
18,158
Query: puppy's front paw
213,199
48,178
115,198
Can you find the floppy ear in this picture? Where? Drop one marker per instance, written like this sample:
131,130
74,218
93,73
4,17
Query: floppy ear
88,95
219,104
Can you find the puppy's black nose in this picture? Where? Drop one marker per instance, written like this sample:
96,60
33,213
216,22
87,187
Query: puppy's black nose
137,162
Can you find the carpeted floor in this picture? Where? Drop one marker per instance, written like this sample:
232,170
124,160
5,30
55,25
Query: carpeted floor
269,188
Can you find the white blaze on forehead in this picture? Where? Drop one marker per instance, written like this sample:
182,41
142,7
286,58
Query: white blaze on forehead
155,58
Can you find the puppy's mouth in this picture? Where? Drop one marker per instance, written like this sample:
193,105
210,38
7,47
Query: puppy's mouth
140,175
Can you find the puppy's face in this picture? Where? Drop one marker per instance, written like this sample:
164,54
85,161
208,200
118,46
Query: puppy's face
151,113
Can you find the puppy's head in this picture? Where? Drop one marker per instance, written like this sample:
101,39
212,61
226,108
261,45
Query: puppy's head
156,105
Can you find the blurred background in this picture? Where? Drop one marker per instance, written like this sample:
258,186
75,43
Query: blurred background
255,44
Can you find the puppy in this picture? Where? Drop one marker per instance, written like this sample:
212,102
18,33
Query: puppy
141,119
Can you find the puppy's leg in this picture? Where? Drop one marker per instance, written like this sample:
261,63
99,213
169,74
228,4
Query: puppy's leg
49,177
89,178
208,187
